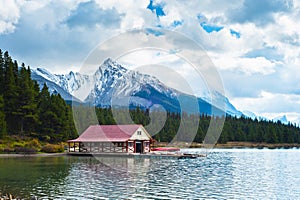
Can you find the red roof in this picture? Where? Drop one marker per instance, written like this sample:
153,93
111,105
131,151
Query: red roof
107,133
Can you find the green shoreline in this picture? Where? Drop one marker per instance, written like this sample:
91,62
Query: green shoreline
20,155
229,145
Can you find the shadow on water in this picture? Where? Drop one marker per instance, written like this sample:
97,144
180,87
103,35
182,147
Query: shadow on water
54,177
28,176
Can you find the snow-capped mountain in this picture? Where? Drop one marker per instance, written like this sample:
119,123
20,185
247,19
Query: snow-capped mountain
112,84
249,114
296,121
283,119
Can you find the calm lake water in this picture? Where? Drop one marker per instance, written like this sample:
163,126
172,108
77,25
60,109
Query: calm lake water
224,174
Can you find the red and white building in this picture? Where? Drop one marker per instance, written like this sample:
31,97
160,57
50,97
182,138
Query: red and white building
112,139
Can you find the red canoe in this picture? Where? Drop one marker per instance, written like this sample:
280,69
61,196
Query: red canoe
165,149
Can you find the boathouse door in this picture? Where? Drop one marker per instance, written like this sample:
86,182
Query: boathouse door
139,147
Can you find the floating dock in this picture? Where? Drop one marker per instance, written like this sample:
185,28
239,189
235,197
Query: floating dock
138,155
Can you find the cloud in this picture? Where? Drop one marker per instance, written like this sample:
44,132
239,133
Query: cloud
206,26
270,53
43,39
259,12
9,15
254,45
89,14
248,66
235,33
267,102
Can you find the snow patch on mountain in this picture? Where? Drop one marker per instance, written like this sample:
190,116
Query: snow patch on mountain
283,119
249,114
113,80
216,98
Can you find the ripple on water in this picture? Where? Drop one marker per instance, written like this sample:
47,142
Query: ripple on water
224,174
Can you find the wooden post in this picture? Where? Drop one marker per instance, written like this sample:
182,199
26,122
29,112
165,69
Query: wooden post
74,146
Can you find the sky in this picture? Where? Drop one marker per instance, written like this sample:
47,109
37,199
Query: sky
254,45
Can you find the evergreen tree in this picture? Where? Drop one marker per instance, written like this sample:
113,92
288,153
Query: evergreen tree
2,119
1,73
45,114
10,95
27,107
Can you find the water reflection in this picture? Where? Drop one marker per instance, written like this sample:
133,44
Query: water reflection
28,175
225,174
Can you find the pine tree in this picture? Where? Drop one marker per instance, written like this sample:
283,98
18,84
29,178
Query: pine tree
2,119
45,114
1,73
27,106
10,95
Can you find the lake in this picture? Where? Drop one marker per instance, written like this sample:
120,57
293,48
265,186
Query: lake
224,174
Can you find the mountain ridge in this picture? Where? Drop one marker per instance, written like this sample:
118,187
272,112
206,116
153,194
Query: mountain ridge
111,82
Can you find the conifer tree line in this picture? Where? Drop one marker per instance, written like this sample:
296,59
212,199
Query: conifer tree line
235,129
27,110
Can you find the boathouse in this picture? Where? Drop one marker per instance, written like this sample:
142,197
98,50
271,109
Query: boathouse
112,139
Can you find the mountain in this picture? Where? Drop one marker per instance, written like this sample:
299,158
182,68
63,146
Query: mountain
113,84
41,78
296,121
283,119
249,114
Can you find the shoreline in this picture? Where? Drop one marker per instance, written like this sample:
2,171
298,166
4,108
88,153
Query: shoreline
228,145
257,145
20,155
233,145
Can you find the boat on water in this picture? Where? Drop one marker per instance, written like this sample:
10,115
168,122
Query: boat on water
173,151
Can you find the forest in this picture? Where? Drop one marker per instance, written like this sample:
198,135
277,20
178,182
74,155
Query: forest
28,110
235,129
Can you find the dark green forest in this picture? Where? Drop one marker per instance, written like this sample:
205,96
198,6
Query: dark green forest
27,110
235,129
31,111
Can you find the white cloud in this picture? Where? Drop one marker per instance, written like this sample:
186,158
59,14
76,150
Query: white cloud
248,66
265,58
268,102
9,15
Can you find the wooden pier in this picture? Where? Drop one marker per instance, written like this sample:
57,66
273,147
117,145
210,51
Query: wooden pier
138,155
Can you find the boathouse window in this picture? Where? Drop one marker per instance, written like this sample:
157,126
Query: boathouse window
120,144
130,144
139,133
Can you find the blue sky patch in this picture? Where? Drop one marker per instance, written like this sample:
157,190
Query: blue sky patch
235,33
154,32
206,26
269,53
210,28
177,23
157,8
